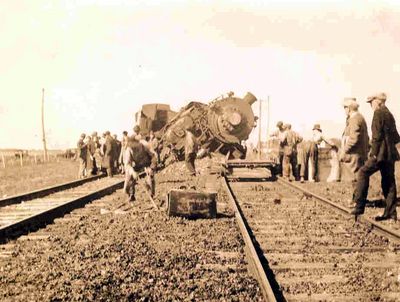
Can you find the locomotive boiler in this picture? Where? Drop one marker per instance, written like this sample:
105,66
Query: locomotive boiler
220,126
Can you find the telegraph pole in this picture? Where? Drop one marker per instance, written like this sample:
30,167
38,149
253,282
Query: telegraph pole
268,118
259,130
43,132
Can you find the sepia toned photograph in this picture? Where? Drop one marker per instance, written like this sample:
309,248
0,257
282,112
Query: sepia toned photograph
189,150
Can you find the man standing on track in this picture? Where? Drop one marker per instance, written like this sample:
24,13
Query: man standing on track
81,151
117,150
124,144
291,139
108,151
190,152
280,135
355,140
138,158
317,139
382,157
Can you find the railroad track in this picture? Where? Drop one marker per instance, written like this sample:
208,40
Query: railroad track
23,213
110,238
312,250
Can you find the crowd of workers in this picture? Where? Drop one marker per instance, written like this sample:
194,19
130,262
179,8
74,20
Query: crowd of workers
130,156
133,155
298,158
362,156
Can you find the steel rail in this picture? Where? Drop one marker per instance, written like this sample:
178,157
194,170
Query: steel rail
46,191
375,226
22,226
255,263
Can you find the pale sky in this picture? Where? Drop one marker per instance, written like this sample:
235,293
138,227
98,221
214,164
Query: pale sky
99,61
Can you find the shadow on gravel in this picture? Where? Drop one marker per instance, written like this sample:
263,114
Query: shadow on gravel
223,215
264,262
249,179
379,203
172,181
270,274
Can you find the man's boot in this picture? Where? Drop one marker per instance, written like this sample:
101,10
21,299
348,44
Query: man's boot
386,217
359,209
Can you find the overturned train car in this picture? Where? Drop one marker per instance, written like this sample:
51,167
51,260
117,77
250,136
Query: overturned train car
153,117
220,126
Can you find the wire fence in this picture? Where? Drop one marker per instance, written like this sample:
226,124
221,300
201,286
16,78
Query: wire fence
22,159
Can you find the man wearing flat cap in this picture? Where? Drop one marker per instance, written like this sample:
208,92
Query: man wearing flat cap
280,135
355,140
382,157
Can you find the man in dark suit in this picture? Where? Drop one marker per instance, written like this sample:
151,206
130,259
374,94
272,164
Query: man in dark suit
108,151
382,157
355,140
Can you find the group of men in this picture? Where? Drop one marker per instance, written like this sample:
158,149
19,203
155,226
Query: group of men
381,156
130,156
362,156
95,153
297,156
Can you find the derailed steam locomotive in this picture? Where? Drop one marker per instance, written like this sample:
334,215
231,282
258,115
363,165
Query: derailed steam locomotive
220,126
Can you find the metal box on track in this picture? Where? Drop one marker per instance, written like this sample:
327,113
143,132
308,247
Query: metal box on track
192,204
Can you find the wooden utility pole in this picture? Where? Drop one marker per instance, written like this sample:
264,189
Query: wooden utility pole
268,118
43,132
259,130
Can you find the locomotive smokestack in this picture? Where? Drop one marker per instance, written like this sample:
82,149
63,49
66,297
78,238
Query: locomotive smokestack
249,98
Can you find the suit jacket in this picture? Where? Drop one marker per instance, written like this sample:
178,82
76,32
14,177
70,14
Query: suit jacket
384,136
108,152
81,149
356,139
291,139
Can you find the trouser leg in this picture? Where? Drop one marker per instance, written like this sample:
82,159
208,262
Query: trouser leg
190,162
304,167
150,183
129,184
280,170
315,161
361,192
389,187
286,165
82,167
293,161
94,170
355,165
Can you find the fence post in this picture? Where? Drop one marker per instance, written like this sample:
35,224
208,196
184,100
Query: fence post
3,160
20,158
35,159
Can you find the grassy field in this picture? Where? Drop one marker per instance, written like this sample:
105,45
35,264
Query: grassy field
16,179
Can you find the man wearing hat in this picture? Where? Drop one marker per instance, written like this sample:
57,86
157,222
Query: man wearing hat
81,151
136,133
97,157
355,140
382,157
280,135
291,139
317,139
108,151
